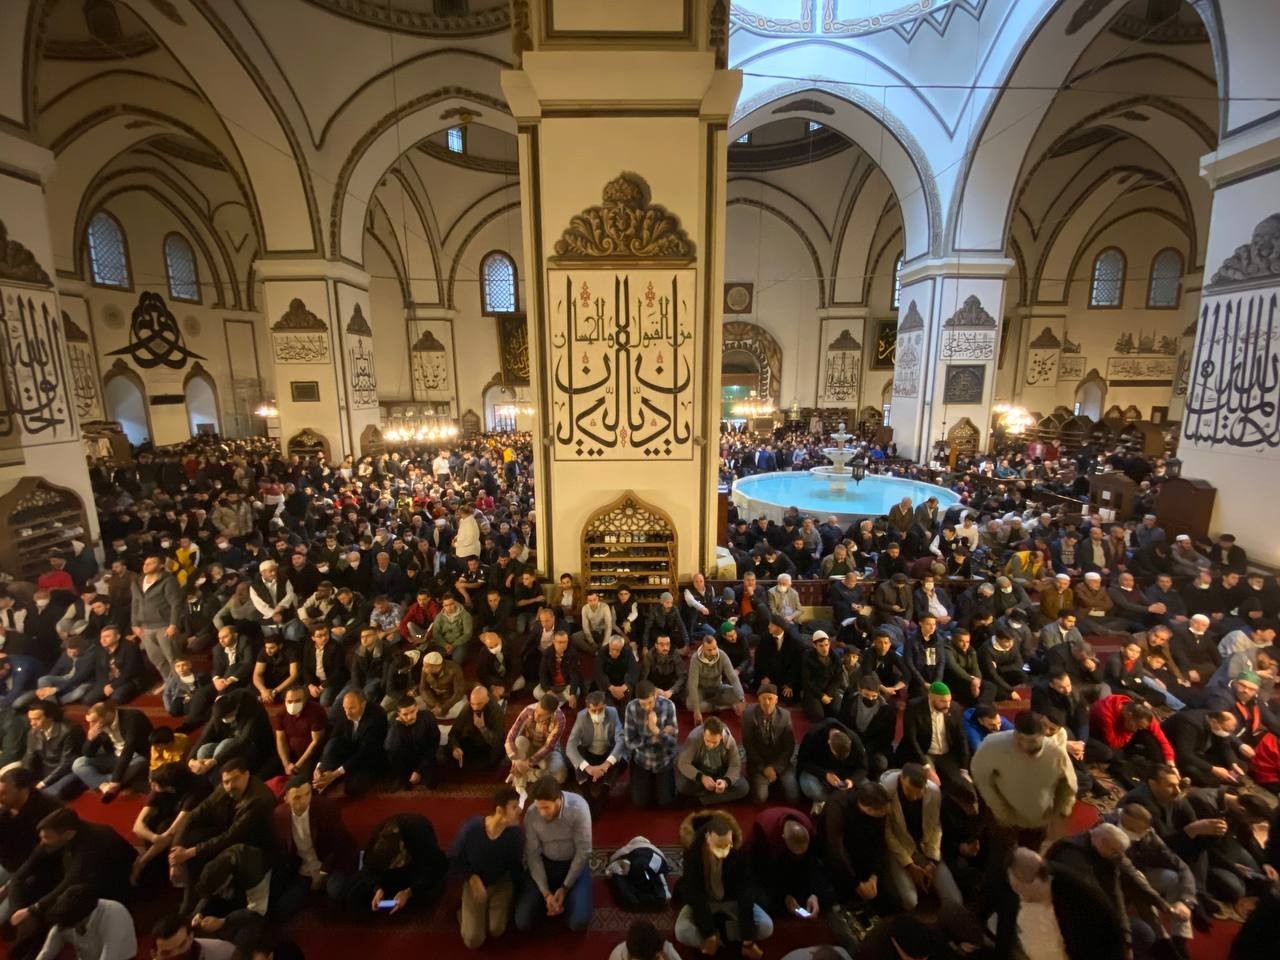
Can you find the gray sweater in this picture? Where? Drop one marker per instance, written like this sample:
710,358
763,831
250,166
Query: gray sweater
696,759
709,678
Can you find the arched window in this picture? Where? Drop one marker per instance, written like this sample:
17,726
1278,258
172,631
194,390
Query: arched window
1108,279
1166,279
108,258
180,264
498,283
897,283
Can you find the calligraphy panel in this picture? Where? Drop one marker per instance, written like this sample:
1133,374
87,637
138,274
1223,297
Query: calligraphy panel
513,348
622,353
300,347
1235,378
1043,354
906,372
964,382
1072,367
431,361
35,406
841,363
886,347
82,363
1141,371
967,343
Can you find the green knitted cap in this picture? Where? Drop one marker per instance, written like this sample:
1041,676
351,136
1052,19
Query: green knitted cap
939,689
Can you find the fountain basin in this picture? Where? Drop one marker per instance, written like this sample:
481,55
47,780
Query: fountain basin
822,495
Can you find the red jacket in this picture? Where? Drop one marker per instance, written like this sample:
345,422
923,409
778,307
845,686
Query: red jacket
1106,725
1265,766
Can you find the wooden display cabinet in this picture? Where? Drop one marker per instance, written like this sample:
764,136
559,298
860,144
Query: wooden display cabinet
632,542
38,520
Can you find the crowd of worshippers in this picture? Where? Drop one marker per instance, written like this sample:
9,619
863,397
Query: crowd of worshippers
318,634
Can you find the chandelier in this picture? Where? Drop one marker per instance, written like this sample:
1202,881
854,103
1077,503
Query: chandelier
754,407
267,410
1013,420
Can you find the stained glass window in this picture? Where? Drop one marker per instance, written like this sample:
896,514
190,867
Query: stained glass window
498,283
457,139
107,258
180,264
897,283
1166,279
1108,279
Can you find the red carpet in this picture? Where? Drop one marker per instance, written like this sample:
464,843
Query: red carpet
326,937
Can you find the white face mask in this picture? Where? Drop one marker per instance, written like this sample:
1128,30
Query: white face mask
1219,733
1006,589
293,708
721,852
187,677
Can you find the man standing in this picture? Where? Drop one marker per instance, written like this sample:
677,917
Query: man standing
1025,782
487,852
557,844
156,614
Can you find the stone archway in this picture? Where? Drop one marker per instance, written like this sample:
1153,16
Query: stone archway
124,400
739,335
201,393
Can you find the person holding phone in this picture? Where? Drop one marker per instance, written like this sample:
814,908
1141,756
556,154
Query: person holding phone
402,865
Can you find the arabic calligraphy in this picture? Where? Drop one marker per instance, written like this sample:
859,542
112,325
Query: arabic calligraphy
513,342
429,366
364,382
968,344
964,383
300,347
843,366
154,337
621,354
1232,397
1141,369
886,345
906,372
34,380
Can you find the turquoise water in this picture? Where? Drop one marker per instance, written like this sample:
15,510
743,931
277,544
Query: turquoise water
814,495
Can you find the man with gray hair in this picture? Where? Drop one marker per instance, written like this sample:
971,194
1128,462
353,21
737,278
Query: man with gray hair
1168,873
1102,854
274,599
784,601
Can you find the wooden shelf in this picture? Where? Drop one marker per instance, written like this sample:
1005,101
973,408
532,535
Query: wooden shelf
629,541
38,519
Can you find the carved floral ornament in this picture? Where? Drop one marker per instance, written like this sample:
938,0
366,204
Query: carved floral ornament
1258,260
19,264
358,325
298,318
626,227
971,314
913,319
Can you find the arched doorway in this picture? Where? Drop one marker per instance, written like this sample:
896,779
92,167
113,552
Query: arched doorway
125,399
739,379
507,408
202,401
1090,396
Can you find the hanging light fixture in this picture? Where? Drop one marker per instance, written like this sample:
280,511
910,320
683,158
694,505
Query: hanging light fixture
267,410
754,407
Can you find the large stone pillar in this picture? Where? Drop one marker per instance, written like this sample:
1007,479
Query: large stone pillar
317,314
622,110
39,422
944,376
1189,307
1231,411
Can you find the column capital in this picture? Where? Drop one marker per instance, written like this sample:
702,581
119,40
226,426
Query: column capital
291,268
957,267
24,159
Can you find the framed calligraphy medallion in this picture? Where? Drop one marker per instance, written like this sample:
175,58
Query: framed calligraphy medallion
621,359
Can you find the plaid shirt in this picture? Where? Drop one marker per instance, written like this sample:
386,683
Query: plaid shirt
652,752
386,621
526,724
